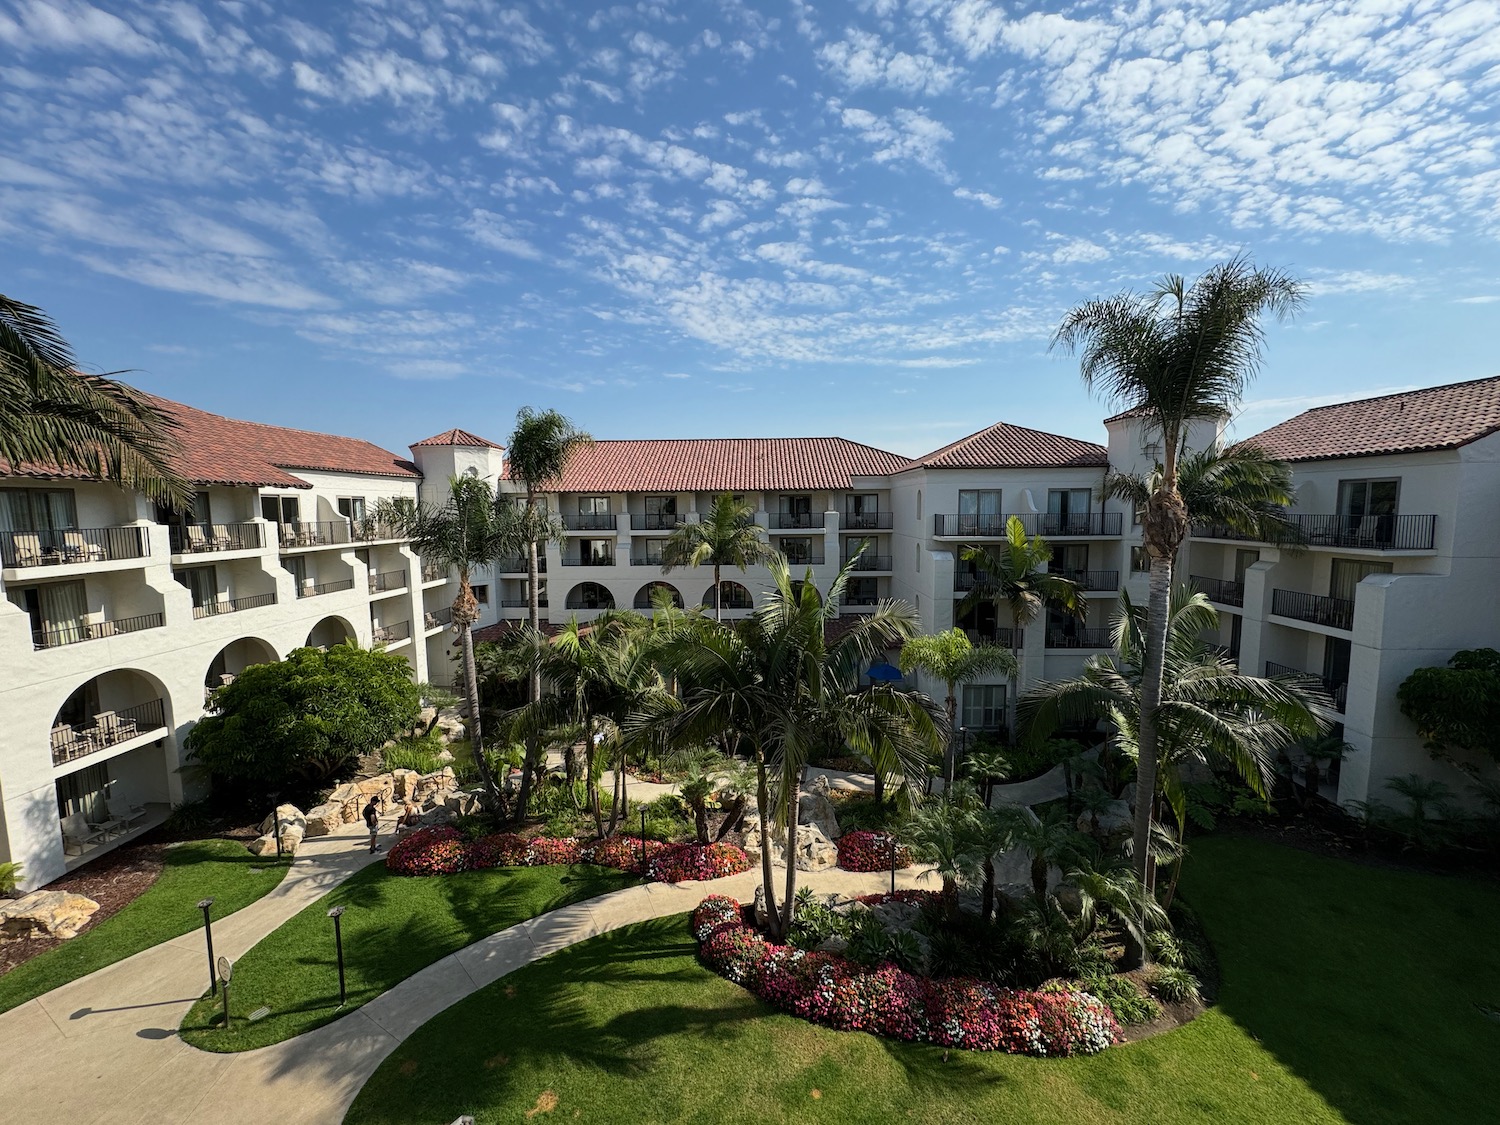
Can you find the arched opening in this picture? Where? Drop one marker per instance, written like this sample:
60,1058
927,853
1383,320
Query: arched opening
733,595
590,595
329,632
234,658
645,597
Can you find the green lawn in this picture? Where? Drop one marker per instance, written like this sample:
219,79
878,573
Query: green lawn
219,869
1349,996
393,926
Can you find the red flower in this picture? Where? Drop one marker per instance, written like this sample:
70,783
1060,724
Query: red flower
870,851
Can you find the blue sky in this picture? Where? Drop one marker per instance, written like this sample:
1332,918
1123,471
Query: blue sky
707,217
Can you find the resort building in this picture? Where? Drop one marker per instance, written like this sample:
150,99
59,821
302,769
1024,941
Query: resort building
117,618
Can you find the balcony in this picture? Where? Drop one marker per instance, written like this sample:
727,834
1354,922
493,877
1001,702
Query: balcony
60,635
590,521
1049,525
868,600
1222,531
387,580
207,538
655,521
1335,613
518,566
870,562
110,729
232,605
326,588
438,618
590,560
1336,690
1093,580
521,603
370,530
313,534
805,558
966,580
1079,638
1220,590
865,521
647,560
432,572
797,520
1003,635
389,634
1359,533
73,545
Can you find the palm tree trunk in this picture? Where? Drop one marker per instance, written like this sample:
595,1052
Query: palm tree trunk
471,694
763,800
793,815
950,757
617,805
989,887
534,684
590,786
1157,610
718,597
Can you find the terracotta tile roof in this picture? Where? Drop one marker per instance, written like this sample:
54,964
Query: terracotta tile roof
1004,446
1431,418
723,464
458,437
1133,412
219,450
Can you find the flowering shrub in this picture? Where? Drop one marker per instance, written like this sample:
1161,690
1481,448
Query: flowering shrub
552,849
682,863
870,851
429,851
834,991
623,852
920,898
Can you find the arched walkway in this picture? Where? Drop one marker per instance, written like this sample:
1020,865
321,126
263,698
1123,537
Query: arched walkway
106,741
735,595
645,597
590,595
235,657
329,632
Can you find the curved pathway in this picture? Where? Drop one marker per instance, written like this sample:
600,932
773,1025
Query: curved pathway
104,1049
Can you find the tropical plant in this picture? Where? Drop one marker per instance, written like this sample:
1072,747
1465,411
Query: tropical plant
985,766
728,537
1014,574
952,658
1174,356
55,415
468,532
1457,708
942,831
10,878
1048,839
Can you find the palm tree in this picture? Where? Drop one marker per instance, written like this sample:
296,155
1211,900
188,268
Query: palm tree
541,446
944,832
1175,355
1014,574
778,685
469,532
52,414
1048,839
951,657
728,537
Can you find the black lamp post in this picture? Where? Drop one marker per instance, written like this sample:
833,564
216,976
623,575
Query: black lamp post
208,932
276,821
643,842
892,838
338,940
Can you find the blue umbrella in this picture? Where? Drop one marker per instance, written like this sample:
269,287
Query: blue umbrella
884,671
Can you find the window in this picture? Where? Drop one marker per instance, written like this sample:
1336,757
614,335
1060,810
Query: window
1346,574
593,505
979,512
1067,511
661,505
653,550
280,509
57,611
798,550
984,706
37,509
1140,560
1359,498
1243,561
596,552
919,505
352,507
296,565
796,511
481,594
1072,559
203,582
862,591
862,511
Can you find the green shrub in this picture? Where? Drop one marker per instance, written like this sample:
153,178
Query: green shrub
1124,997
1173,984
191,819
10,875
411,754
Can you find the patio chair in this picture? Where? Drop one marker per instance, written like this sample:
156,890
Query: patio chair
219,537
124,812
63,739
78,834
78,549
288,535
196,540
28,548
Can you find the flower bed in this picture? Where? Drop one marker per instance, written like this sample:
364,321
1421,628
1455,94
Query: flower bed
831,990
682,863
622,852
429,851
444,851
870,851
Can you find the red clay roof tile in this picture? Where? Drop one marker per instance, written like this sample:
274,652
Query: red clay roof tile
457,437
1004,446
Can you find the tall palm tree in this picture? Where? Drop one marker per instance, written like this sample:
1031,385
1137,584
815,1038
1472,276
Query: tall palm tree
467,533
52,414
728,537
951,657
777,684
1175,355
1014,574
541,445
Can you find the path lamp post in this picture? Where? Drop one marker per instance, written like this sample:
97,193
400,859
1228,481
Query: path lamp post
276,821
892,838
643,842
206,905
338,941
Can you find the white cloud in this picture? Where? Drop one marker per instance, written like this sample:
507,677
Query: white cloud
862,58
500,233
904,136
983,198
1486,299
69,25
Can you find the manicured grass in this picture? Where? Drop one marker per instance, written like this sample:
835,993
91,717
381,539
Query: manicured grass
393,926
219,869
1331,1013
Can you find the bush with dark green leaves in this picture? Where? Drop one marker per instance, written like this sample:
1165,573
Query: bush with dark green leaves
302,722
1457,708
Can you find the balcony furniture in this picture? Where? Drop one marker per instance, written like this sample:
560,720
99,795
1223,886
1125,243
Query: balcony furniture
99,629
77,549
124,812
114,728
78,834
62,738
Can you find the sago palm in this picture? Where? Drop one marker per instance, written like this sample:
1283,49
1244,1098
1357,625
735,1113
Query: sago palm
728,537
952,658
1176,355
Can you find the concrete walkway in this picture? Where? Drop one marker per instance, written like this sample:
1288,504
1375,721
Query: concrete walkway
104,1049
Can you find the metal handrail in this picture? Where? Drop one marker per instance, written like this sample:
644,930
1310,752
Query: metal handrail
202,538
797,520
1336,613
1221,590
326,588
60,635
233,605
109,729
62,546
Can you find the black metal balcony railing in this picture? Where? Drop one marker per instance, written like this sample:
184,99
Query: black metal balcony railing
655,521
803,558
966,580
1093,579
60,635
438,618
385,634
590,521
1049,525
233,605
1204,530
1337,690
326,588
647,560
1078,638
1221,590
796,519
861,599
1336,613
588,560
872,562
201,538
370,529
387,580
110,729
72,545
865,521
432,572
521,603
1374,533
313,533
518,566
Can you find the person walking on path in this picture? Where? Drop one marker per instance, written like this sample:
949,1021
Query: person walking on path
372,821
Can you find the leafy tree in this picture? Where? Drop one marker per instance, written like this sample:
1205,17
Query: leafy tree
53,414
469,531
1014,574
1175,355
952,658
299,722
1457,708
729,537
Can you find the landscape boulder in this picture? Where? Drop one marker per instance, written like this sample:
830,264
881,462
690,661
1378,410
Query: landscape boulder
463,804
814,852
59,914
404,783
323,819
1116,819
815,806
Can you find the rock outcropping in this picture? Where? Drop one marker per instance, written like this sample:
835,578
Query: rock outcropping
59,914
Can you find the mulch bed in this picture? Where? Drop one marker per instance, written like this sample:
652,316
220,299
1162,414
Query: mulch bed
113,881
